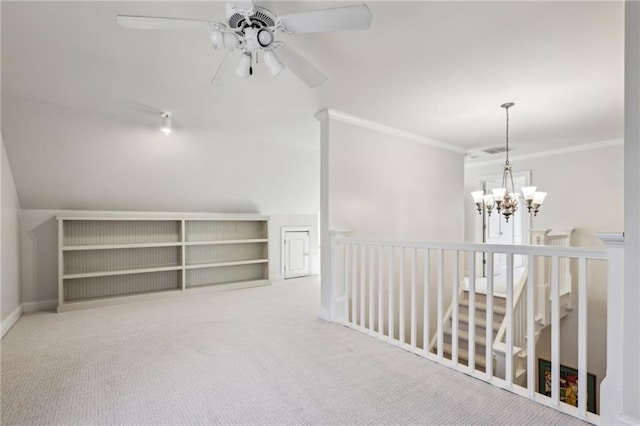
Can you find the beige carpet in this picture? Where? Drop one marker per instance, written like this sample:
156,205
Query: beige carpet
256,356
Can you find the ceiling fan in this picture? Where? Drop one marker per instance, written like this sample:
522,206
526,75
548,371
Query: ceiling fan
251,29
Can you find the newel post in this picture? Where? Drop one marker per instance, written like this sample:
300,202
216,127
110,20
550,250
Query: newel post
611,388
330,312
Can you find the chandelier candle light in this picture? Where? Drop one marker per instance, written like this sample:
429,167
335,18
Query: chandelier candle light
505,199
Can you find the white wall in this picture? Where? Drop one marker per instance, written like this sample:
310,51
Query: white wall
11,298
39,234
585,192
387,184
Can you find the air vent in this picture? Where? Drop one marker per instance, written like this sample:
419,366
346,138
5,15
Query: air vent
496,150
262,16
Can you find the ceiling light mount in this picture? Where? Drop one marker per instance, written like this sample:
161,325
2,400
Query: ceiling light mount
505,199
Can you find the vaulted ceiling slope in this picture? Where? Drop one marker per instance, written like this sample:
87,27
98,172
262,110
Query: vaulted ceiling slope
81,96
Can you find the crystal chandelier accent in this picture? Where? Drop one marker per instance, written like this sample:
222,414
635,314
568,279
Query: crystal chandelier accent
505,199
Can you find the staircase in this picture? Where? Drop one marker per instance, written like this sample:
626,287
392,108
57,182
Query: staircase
499,311
558,238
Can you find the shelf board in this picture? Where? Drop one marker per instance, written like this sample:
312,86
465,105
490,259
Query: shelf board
119,246
207,243
120,272
118,296
233,284
218,264
95,302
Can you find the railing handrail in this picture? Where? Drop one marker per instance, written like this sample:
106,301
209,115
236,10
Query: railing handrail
502,331
520,249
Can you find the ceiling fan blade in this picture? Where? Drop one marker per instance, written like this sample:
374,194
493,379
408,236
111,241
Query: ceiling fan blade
226,70
338,19
153,23
302,68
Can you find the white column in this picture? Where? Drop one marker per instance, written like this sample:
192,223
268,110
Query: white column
611,386
630,338
326,279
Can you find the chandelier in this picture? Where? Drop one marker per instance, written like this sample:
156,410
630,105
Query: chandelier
505,199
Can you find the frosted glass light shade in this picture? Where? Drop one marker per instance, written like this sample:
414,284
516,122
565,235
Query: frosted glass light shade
528,192
488,200
222,40
538,198
477,196
498,193
274,64
244,67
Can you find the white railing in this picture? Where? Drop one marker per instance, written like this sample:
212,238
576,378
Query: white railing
397,291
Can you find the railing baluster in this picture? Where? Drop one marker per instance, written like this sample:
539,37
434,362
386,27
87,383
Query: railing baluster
519,326
509,318
401,337
426,333
414,307
371,293
362,285
439,308
454,312
489,329
472,311
347,288
380,293
391,313
555,333
531,339
582,336
354,285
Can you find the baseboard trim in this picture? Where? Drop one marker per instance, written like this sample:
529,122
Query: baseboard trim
325,315
40,305
11,320
628,420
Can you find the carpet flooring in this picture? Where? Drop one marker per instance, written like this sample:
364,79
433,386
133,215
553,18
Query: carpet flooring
253,356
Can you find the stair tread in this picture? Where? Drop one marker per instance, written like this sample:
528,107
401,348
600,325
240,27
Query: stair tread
480,322
463,355
480,306
464,335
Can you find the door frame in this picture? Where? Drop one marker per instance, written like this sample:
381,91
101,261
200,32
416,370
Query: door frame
283,231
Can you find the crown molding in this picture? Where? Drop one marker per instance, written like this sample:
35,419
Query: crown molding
551,152
328,113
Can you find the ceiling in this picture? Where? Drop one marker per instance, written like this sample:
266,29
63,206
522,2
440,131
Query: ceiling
78,89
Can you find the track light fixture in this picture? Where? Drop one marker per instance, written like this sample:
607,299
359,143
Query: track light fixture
166,124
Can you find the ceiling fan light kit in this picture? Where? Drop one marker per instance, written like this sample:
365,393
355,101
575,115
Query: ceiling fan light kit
251,30
505,199
244,67
274,63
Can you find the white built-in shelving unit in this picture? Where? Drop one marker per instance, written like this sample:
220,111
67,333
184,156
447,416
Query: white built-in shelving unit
117,258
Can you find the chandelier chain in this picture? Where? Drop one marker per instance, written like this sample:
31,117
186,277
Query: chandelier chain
507,161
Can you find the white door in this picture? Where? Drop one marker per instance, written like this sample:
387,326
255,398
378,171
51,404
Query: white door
296,254
498,231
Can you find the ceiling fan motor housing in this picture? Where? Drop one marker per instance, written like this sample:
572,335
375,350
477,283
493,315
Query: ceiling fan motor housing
260,16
